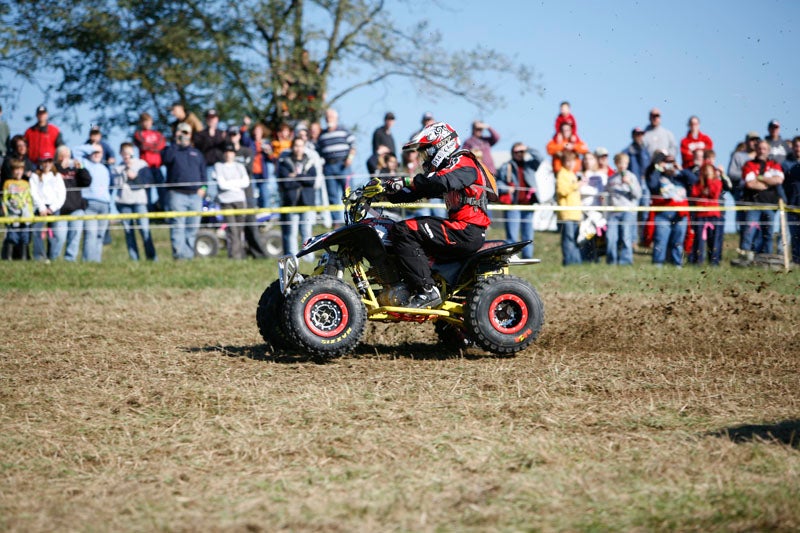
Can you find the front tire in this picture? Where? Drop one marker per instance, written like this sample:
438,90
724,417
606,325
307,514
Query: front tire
504,314
269,317
324,316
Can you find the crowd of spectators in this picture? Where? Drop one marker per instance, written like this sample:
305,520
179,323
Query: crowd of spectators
241,165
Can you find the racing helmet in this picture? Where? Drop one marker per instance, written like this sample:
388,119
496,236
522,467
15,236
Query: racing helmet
435,143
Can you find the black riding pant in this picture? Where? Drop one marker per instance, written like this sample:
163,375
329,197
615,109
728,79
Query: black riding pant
416,239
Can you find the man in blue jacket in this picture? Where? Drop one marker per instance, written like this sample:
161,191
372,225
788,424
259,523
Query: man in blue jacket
791,186
186,187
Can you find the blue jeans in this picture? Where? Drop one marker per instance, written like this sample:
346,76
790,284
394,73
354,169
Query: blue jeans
569,242
267,189
143,225
708,236
642,216
15,244
670,232
51,236
183,230
519,227
73,237
753,222
336,178
291,225
619,238
94,231
793,221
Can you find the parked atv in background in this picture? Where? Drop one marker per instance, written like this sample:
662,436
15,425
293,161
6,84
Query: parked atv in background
211,235
324,315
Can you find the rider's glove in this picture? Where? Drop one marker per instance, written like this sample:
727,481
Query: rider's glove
374,188
393,185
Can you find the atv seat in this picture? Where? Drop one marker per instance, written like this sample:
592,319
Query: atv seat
453,271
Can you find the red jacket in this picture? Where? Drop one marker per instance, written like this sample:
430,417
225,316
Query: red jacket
42,139
690,144
707,196
150,143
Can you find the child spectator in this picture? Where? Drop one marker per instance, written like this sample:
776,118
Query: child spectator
150,143
624,191
232,179
568,194
709,228
565,116
48,193
565,140
17,202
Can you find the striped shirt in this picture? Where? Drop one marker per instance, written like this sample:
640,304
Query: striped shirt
334,145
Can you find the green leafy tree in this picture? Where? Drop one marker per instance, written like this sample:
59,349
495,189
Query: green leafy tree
269,59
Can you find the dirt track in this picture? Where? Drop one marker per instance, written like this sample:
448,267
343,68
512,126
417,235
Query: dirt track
164,410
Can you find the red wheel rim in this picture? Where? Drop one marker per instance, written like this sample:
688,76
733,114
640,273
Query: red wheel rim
326,315
508,313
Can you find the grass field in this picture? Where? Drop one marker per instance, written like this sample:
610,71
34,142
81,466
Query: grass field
141,397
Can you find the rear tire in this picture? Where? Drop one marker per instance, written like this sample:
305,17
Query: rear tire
269,317
504,314
324,317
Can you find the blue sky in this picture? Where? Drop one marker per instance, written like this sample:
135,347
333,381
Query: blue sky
732,63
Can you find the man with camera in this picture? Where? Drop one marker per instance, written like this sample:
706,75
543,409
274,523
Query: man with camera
186,187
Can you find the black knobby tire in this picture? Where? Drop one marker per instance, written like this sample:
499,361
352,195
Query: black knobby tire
504,314
324,316
206,243
269,317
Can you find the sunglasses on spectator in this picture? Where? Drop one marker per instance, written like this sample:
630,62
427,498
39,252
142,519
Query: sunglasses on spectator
518,152
655,114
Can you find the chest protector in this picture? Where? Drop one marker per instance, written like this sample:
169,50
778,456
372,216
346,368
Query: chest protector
479,193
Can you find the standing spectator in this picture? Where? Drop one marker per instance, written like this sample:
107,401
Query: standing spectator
211,142
320,190
376,160
568,187
96,137
232,179
382,136
5,134
262,151
19,151
601,153
17,202
566,141
296,178
131,178
565,115
762,180
178,111
657,137
75,178
98,202
778,148
516,185
709,229
337,146
668,187
483,138
42,136
593,224
694,140
48,193
150,142
426,120
791,186
743,153
639,160
624,191
186,180
282,141
244,155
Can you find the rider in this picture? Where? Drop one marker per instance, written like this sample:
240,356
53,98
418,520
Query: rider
467,187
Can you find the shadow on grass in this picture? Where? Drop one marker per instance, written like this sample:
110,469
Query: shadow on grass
786,432
417,351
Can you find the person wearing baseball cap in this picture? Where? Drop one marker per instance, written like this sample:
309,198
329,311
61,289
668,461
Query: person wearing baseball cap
382,136
96,137
638,161
42,136
48,193
779,149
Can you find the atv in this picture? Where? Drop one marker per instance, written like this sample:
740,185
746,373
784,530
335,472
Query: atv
324,316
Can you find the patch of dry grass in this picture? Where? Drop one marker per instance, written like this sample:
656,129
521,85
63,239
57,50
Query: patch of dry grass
161,410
